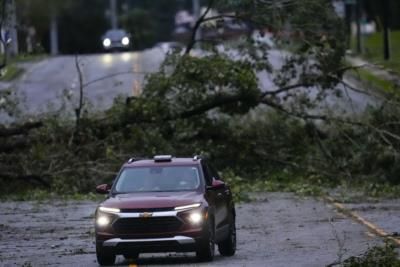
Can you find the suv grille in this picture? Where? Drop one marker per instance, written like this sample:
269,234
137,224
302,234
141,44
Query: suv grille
146,225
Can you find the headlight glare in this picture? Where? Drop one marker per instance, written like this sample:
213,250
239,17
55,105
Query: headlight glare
125,41
102,221
195,218
106,42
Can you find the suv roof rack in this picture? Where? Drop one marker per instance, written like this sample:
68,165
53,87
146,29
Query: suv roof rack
162,158
133,159
196,157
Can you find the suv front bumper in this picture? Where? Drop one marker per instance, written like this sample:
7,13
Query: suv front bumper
176,243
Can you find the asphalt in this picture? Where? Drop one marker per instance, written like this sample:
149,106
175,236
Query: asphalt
54,82
277,229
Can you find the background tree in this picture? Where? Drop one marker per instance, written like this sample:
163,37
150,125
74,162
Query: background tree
141,25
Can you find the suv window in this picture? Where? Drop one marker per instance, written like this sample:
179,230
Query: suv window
157,179
207,173
213,172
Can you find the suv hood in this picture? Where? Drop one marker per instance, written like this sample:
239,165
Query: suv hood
150,200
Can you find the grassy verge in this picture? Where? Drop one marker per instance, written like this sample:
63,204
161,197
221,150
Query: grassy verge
373,50
25,58
374,81
10,73
29,57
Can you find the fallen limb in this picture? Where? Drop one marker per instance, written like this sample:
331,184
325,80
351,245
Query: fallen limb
20,129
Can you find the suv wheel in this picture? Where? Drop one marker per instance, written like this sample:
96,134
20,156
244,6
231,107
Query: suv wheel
206,247
228,246
104,256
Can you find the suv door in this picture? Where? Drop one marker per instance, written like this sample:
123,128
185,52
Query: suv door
210,193
220,198
223,198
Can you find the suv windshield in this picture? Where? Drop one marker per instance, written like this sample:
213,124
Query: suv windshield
158,178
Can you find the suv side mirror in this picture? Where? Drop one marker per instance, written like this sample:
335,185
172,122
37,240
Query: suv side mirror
103,189
216,184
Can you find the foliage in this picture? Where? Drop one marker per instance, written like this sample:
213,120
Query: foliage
140,24
385,256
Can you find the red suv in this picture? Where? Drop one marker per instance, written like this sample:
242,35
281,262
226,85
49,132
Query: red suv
165,204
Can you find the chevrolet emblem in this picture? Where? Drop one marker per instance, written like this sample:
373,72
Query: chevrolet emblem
146,214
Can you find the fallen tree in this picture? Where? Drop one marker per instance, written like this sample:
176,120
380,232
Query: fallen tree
216,105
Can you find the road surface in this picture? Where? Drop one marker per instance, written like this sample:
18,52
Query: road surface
105,76
278,229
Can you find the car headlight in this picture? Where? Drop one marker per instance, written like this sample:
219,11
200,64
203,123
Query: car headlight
196,218
185,207
125,41
106,42
112,210
102,221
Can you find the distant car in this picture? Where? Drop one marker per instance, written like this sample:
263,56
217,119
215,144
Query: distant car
165,204
116,39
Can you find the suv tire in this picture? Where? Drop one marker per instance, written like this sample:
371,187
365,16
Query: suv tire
228,246
206,246
104,256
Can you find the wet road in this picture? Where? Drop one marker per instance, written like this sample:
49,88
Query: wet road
105,76
279,229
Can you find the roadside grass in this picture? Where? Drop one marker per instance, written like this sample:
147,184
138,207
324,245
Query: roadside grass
373,49
375,81
10,72
20,58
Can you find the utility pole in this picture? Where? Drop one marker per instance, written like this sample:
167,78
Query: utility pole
53,32
386,30
13,28
113,14
358,22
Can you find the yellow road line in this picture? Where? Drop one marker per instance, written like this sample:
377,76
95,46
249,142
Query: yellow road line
132,265
372,227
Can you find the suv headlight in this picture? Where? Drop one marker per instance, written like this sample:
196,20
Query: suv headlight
103,220
111,210
186,207
195,217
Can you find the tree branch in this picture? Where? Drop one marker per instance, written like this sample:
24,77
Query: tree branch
200,20
285,89
21,129
218,101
